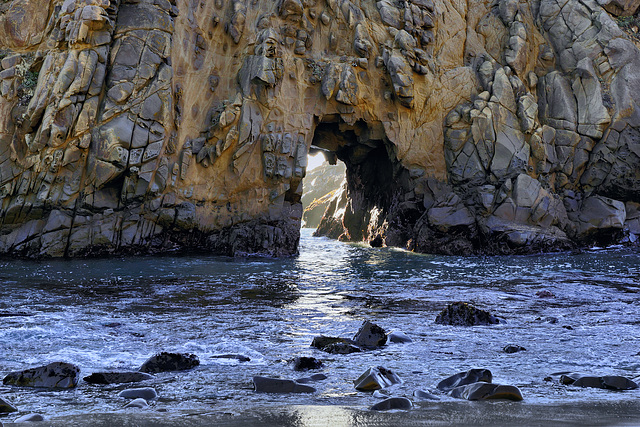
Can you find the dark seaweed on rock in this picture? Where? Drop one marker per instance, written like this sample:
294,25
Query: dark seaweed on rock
463,314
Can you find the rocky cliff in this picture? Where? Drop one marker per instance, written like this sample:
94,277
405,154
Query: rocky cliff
132,126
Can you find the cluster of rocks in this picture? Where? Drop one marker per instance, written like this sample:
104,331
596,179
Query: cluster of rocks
487,126
62,375
370,336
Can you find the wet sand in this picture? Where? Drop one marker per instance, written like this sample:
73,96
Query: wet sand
499,413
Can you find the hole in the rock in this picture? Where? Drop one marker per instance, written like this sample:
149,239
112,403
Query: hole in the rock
351,200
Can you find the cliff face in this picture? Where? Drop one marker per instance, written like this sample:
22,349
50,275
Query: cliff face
149,125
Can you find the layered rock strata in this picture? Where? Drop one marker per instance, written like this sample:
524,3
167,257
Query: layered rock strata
131,126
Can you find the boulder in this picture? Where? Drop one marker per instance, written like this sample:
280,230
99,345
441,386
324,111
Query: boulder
53,375
393,403
29,418
463,314
376,378
238,357
146,393
117,377
6,406
370,335
464,378
609,382
137,403
304,363
486,391
512,348
277,385
399,337
167,362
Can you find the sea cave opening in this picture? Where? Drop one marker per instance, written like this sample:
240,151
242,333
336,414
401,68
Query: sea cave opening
353,181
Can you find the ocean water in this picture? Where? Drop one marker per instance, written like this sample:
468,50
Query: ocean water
112,314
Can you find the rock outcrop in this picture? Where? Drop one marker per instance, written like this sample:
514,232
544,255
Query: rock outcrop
496,126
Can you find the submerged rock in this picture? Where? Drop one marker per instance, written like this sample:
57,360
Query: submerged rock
512,348
304,363
398,337
137,403
486,391
29,418
464,378
238,357
53,375
370,335
312,378
463,314
376,378
393,403
117,377
609,382
166,362
276,385
6,406
146,393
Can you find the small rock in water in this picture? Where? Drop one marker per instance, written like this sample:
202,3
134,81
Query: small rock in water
487,391
335,345
425,395
276,385
303,363
398,337
53,375
463,314
29,418
166,362
137,403
393,403
370,335
146,393
6,406
463,378
609,382
312,378
545,294
512,348
117,377
376,378
238,357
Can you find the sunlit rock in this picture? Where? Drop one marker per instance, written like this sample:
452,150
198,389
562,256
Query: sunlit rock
376,378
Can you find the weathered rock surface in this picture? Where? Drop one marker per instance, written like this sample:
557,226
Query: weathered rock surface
53,375
463,314
376,378
166,362
117,377
465,127
335,345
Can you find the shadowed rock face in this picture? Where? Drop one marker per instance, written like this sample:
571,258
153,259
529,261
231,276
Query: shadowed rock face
153,125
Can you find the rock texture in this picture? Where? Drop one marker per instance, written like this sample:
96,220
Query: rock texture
495,126
53,375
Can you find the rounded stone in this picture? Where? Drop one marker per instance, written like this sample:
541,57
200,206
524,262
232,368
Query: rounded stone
29,418
393,403
146,393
